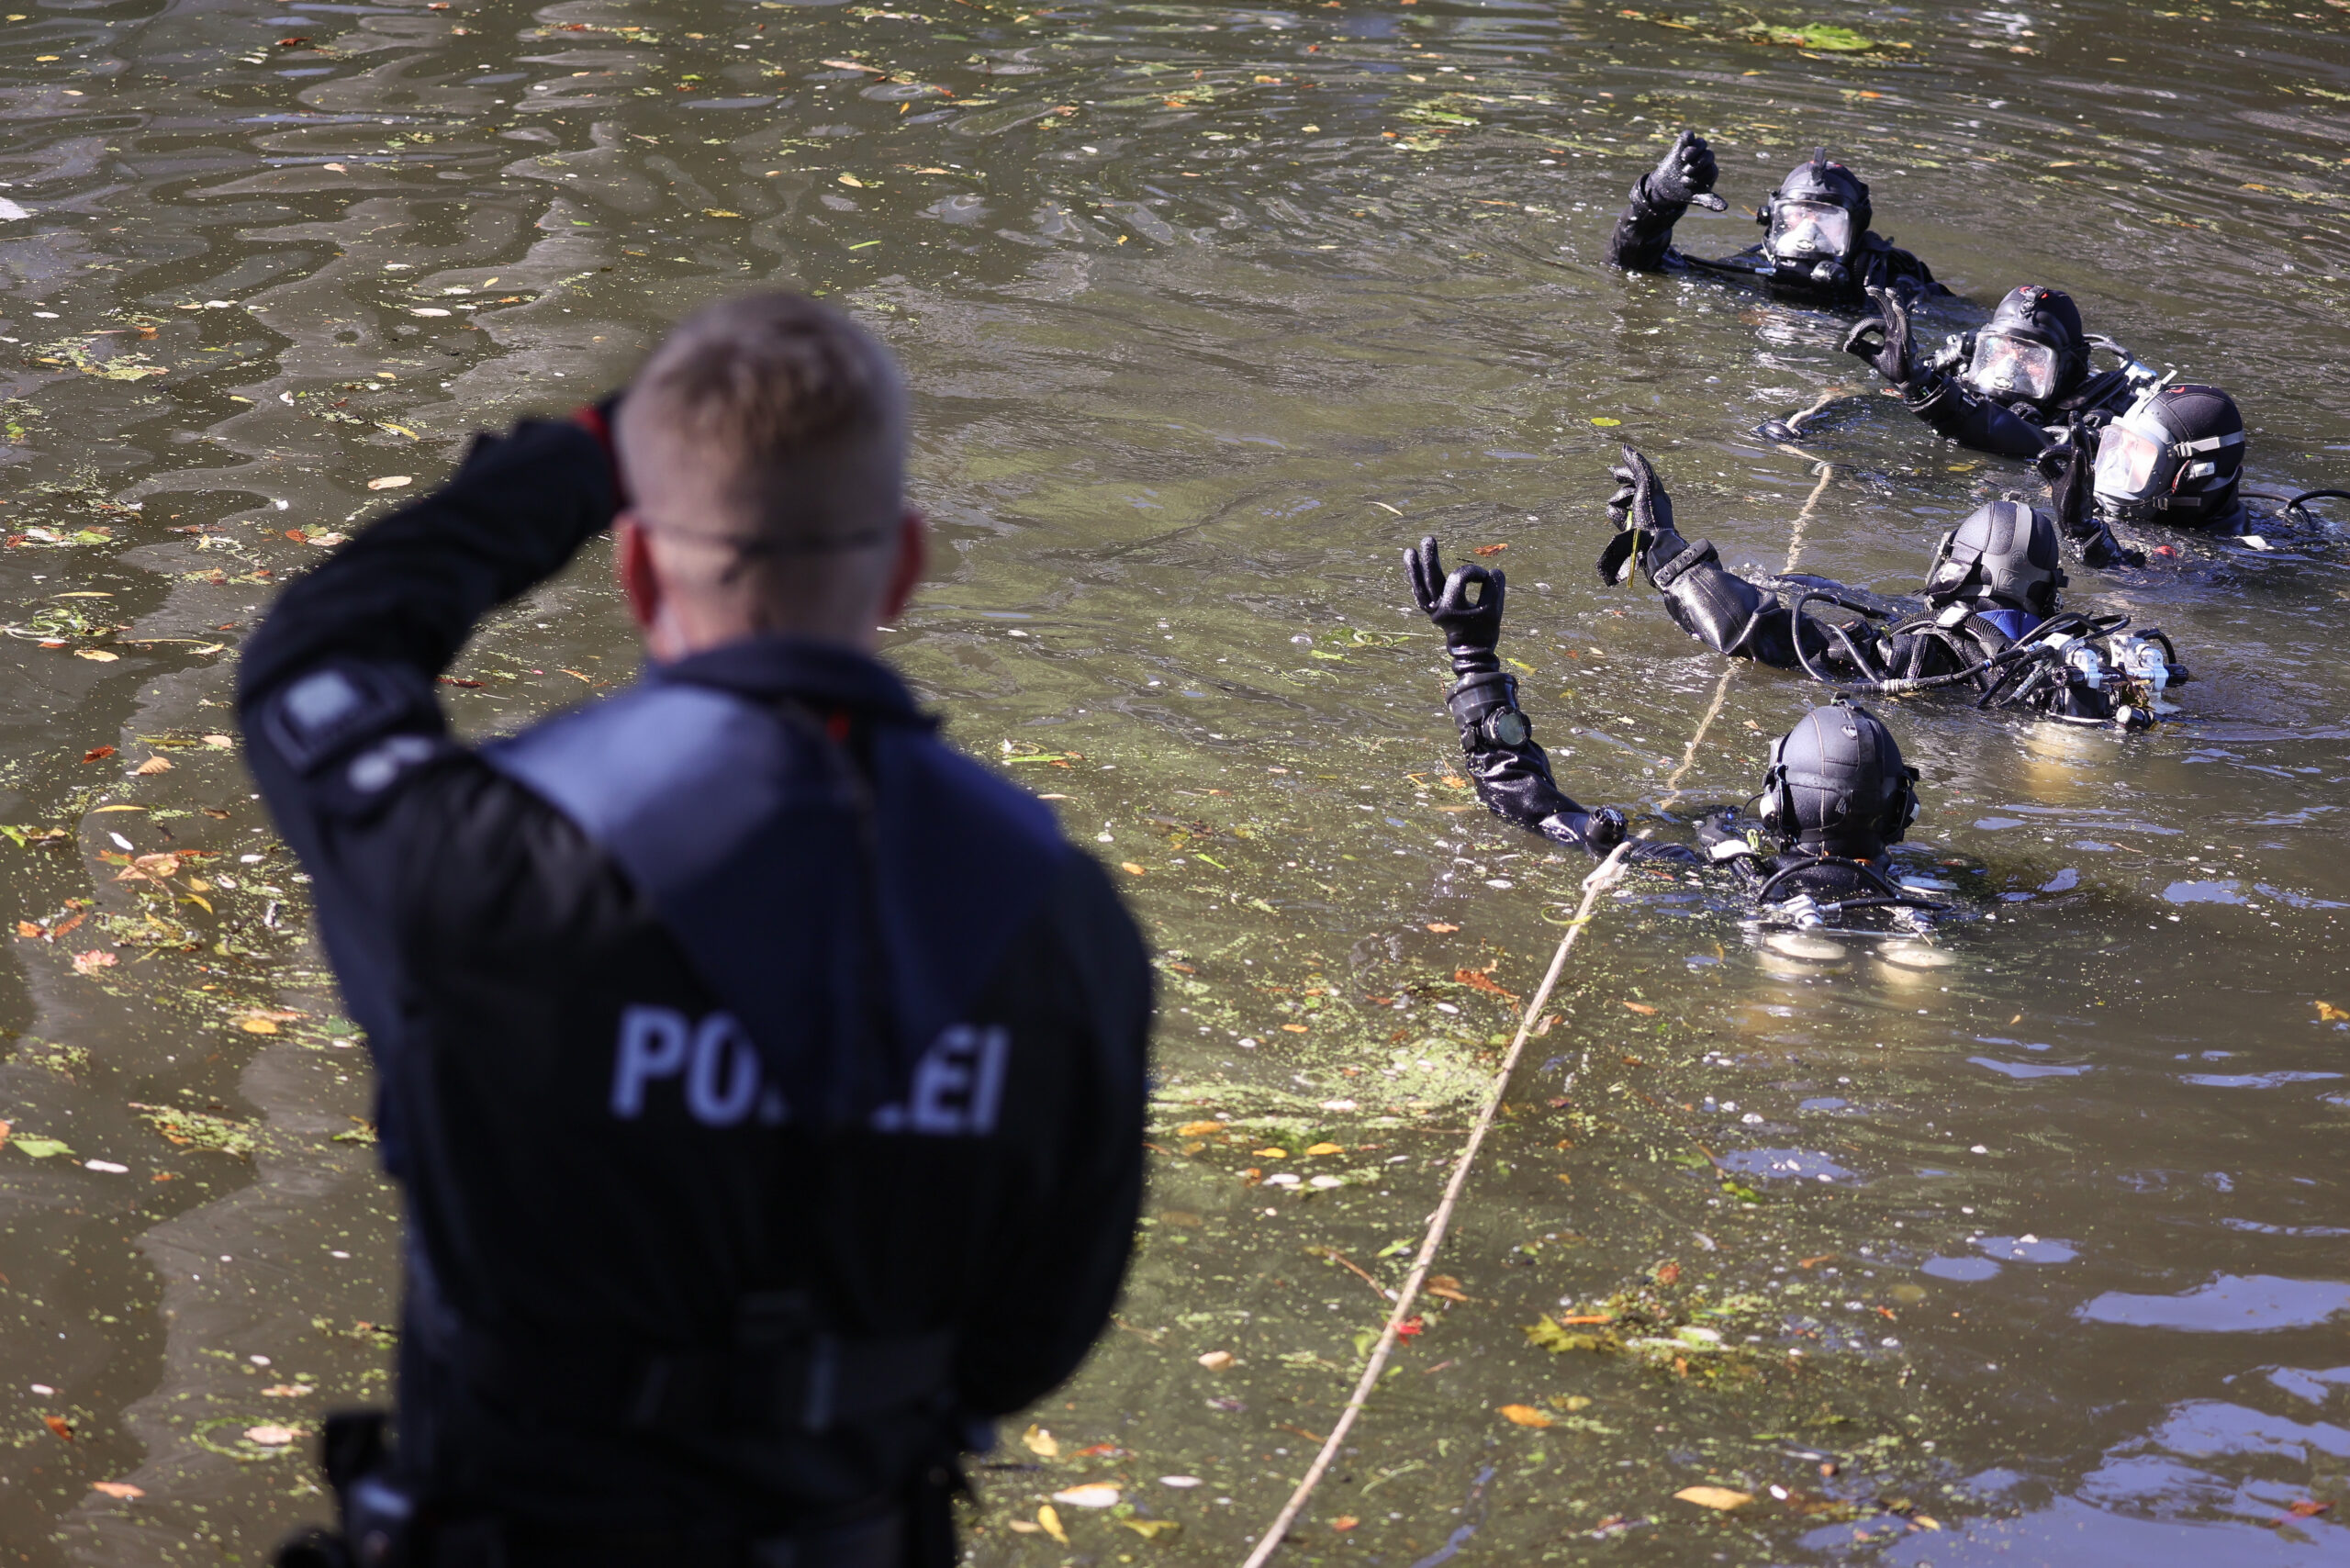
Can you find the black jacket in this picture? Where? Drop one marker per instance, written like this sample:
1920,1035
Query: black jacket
495,953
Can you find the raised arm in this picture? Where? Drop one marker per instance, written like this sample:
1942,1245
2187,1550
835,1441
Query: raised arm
1935,396
1644,230
1705,597
1511,772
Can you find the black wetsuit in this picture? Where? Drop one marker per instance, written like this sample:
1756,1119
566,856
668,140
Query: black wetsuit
1643,242
1897,640
2016,427
654,1312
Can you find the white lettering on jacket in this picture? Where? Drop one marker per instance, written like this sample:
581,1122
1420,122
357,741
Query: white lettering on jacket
717,1061
957,1085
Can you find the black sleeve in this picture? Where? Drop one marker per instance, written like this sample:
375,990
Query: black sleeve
1054,1284
1643,234
335,690
1967,417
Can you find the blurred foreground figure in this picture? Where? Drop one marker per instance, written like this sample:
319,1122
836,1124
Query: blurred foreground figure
764,1078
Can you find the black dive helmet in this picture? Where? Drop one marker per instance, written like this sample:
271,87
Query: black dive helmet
2033,348
2003,556
1815,219
1837,785
2174,457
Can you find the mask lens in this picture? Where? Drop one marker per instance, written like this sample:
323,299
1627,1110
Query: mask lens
2126,462
1804,230
2013,366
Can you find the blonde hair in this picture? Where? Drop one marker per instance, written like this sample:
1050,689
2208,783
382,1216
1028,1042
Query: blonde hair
778,425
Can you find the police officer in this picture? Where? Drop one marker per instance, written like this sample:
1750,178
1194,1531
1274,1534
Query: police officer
2012,386
1987,621
1818,246
765,1080
1836,797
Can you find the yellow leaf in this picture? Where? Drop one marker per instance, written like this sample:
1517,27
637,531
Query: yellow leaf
1049,1521
1325,1148
154,764
718,212
1130,869
99,654
1200,1129
1720,1497
199,900
1025,1526
1041,1442
1605,422
257,1025
852,180
1271,1153
1526,1415
1151,1529
2329,1013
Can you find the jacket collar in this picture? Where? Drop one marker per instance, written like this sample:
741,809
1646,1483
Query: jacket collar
824,674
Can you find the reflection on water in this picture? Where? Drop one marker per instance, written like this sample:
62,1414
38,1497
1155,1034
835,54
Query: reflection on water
1210,310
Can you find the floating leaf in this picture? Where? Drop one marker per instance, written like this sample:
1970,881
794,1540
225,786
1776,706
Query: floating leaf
121,1489
1130,869
390,481
1041,1442
1151,1529
1218,1360
1525,1415
60,1425
97,753
2329,1013
1200,1129
1604,423
258,1026
1095,1494
1642,1008
1326,1149
1720,1497
1048,1519
99,654
153,765
270,1437
40,1147
96,958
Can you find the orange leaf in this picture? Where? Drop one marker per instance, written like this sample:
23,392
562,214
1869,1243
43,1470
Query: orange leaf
1490,549
1200,1129
1476,980
1345,1521
1440,928
1294,1028
2308,1509
122,1489
27,928
1525,1415
2329,1013
60,1425
1668,1275
1642,1008
1587,1317
97,753
1130,869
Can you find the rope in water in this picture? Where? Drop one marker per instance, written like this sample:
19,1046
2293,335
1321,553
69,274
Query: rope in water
1608,872
1721,687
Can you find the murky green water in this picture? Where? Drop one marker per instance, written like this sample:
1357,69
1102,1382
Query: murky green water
1210,311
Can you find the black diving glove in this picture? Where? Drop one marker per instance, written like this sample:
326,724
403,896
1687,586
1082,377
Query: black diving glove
1705,597
1685,174
1471,626
2067,467
1883,338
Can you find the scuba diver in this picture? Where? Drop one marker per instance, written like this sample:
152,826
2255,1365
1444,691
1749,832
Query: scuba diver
2012,386
1835,798
2176,456
1987,618
1819,245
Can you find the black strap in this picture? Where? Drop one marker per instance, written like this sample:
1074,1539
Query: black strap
1672,571
807,1381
